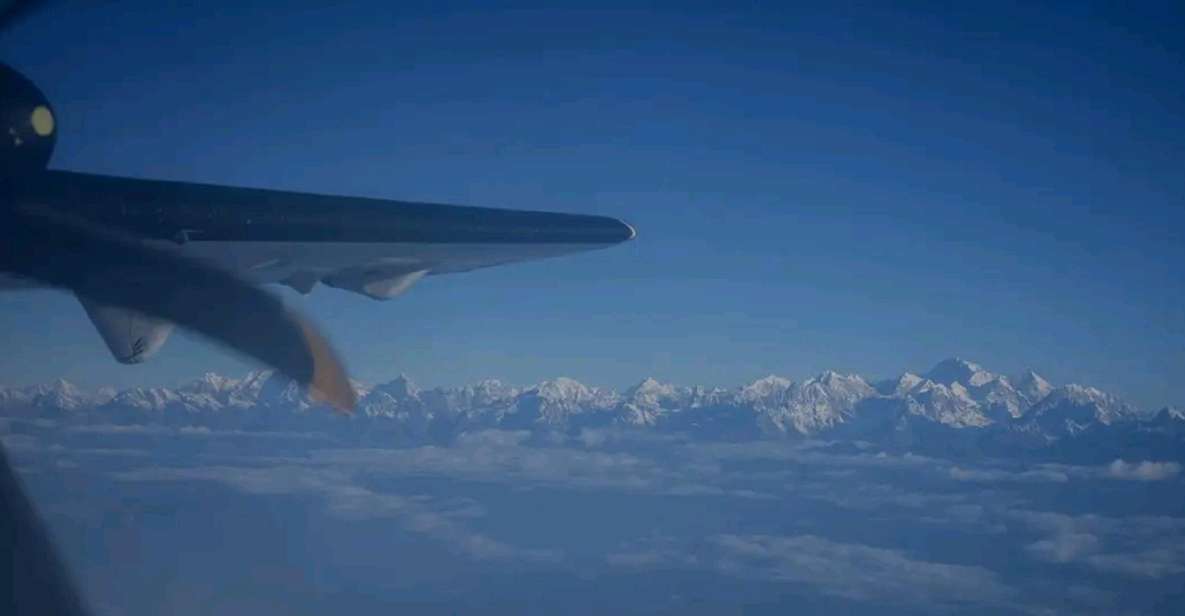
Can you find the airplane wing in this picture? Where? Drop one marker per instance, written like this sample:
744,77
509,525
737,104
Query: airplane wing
372,246
144,254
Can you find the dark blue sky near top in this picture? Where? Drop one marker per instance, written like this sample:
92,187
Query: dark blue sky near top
866,188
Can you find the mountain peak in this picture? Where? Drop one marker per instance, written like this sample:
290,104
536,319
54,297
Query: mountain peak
816,404
650,386
562,388
556,401
958,370
401,386
489,385
59,393
831,377
1170,414
766,386
1032,387
906,382
210,383
563,382
56,386
1030,377
1081,404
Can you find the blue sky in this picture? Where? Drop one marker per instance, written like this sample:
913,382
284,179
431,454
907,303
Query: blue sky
868,190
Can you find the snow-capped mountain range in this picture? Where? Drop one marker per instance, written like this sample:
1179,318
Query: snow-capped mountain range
956,397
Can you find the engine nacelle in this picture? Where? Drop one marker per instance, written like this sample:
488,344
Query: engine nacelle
376,283
131,336
28,128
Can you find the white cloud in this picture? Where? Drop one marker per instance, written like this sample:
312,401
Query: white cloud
1154,563
493,438
874,496
1135,546
1064,547
351,501
1143,471
500,462
977,496
497,456
849,570
857,571
655,554
994,475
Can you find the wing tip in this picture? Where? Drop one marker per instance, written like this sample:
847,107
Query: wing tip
631,232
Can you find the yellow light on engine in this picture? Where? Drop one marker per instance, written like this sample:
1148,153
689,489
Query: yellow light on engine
43,122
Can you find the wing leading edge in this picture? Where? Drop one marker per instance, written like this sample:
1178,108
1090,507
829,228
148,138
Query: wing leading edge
155,209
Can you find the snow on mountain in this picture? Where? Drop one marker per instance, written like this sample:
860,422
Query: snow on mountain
483,394
947,404
1168,420
213,392
766,392
144,399
954,395
11,397
650,392
103,395
14,397
999,399
61,395
644,404
1073,408
209,393
397,399
902,385
281,392
817,403
955,370
474,403
557,402
1032,387
210,384
1169,413
401,387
